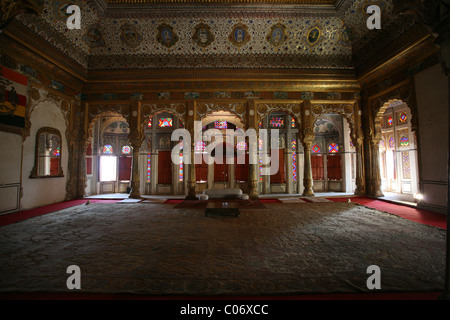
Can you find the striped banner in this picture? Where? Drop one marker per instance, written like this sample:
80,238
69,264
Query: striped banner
13,97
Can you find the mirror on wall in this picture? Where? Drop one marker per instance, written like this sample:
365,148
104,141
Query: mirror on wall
48,154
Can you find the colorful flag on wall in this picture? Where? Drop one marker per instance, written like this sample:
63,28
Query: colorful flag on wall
13,97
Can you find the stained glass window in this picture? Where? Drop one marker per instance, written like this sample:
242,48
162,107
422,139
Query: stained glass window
220,125
402,117
56,152
333,148
241,146
200,146
260,147
292,123
149,125
149,166
108,149
276,122
390,121
392,143
126,150
294,159
165,122
260,124
406,164
404,141
180,167
316,148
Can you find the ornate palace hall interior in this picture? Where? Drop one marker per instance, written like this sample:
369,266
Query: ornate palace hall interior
337,140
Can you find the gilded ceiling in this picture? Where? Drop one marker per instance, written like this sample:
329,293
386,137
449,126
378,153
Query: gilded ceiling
121,34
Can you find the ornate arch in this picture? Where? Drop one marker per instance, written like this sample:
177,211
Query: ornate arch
263,109
239,109
150,109
39,96
209,117
348,111
403,92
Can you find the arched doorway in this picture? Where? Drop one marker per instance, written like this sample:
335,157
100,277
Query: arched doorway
333,155
159,174
108,155
398,151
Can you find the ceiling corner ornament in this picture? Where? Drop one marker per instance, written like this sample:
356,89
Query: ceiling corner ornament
345,36
94,36
202,35
166,36
239,36
130,36
9,9
277,35
60,8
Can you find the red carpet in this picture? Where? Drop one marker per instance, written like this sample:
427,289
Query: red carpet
413,214
23,215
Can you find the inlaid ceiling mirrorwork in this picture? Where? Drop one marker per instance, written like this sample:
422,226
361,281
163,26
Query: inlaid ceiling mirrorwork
246,34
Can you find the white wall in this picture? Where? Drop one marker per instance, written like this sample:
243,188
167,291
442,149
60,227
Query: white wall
433,106
10,160
43,191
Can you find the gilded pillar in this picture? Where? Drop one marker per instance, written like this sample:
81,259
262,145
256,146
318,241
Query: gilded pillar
307,176
191,115
135,137
253,149
360,180
376,176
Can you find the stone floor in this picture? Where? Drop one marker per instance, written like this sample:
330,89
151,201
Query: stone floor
282,249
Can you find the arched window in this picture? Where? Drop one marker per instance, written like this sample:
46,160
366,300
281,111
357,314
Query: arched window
108,149
126,150
333,148
316,149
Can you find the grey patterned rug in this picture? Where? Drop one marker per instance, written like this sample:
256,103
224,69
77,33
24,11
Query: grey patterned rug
284,249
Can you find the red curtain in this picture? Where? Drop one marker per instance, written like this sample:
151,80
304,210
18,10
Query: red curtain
334,167
201,171
221,171
88,165
241,170
54,166
164,167
317,167
279,176
125,168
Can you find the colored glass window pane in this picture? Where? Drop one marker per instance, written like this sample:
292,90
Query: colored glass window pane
404,141
149,166
108,149
292,123
392,143
390,121
241,146
406,164
165,122
221,125
180,170
276,122
149,125
402,117
316,148
200,146
126,150
333,148
56,152
294,159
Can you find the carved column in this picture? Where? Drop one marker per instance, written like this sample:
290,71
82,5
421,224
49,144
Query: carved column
82,148
135,179
307,176
253,165
135,137
191,116
376,176
360,181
